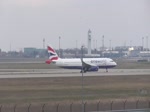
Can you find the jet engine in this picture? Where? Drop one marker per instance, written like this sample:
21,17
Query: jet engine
93,68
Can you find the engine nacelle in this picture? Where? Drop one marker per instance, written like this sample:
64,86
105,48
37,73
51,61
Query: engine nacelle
93,68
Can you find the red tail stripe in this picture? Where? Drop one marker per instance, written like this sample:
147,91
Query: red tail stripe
54,58
49,48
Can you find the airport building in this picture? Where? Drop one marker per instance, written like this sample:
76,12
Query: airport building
34,52
126,48
124,51
144,54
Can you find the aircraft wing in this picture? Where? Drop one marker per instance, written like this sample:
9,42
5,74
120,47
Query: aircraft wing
87,66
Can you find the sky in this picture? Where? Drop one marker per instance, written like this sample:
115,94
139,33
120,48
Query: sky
25,23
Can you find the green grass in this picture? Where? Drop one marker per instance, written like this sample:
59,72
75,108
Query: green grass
69,89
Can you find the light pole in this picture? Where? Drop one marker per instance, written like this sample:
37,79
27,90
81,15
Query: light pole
146,43
110,45
82,94
103,42
10,47
130,43
43,43
142,43
76,48
96,46
59,45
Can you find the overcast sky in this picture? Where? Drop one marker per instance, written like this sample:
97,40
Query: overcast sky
24,23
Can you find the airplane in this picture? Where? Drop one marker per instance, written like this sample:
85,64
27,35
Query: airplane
84,64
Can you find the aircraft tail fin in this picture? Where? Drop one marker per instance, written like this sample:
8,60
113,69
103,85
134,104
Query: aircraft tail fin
52,55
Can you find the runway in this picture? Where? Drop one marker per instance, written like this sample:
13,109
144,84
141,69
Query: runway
42,73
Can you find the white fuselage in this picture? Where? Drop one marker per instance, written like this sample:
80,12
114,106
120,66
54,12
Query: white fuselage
75,63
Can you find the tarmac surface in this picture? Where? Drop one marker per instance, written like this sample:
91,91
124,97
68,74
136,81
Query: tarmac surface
42,73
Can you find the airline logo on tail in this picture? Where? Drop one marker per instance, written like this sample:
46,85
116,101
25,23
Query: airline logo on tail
53,55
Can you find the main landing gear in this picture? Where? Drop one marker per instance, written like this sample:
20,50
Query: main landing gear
84,70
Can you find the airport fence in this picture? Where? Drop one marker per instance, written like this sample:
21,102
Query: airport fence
78,107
